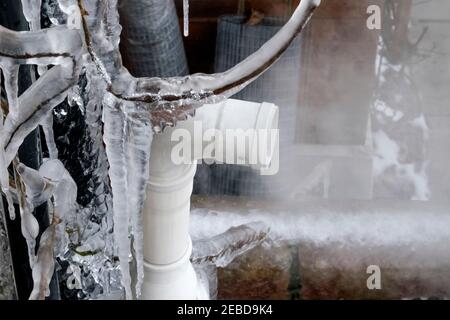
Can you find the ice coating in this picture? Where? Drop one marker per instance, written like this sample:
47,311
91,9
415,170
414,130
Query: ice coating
43,268
116,151
11,74
133,109
37,187
28,223
139,140
47,127
167,100
32,12
222,249
129,155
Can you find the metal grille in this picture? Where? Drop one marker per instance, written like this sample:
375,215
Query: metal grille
279,85
151,38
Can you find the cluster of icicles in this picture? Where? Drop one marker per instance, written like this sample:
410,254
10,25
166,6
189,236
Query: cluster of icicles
133,108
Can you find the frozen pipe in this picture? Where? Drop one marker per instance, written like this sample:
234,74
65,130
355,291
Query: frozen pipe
167,244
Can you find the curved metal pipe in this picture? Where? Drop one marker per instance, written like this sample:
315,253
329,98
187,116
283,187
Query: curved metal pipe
177,92
235,79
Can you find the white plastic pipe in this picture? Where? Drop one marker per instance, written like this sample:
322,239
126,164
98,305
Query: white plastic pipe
234,118
167,245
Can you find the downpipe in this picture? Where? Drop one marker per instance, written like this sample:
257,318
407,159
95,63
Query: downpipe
168,272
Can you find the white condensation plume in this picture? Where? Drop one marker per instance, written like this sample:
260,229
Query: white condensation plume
186,18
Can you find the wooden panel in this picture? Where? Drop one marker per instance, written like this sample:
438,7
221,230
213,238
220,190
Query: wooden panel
201,43
208,8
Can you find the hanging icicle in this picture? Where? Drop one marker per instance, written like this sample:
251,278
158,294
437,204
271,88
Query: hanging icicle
186,18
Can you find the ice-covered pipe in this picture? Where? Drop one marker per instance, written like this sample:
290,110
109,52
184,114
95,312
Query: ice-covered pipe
366,223
233,80
167,245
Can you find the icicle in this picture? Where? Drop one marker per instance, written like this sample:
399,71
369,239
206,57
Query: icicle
114,136
11,74
28,223
36,106
128,138
30,229
4,175
32,12
4,181
139,142
47,127
186,17
9,200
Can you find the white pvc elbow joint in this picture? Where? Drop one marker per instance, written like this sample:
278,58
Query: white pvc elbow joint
167,245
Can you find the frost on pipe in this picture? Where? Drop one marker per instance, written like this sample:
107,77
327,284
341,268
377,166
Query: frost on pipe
222,249
169,98
41,48
57,46
211,88
132,109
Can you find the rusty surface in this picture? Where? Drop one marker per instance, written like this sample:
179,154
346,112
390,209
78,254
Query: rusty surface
259,274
